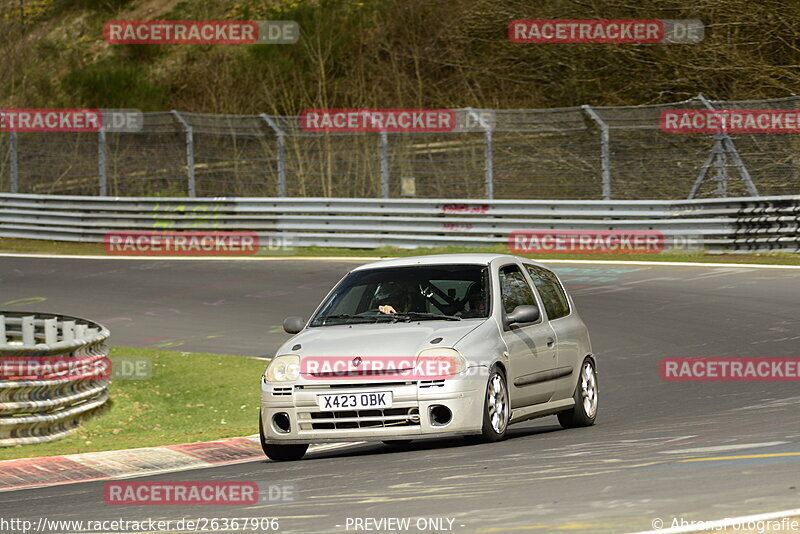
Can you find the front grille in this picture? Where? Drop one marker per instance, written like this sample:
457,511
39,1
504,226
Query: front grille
278,392
424,384
359,385
351,419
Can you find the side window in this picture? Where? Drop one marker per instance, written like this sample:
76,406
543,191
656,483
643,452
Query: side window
553,296
514,290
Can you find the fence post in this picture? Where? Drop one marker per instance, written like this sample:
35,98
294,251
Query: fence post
101,161
280,141
605,150
13,163
384,164
488,151
189,152
727,147
712,156
722,175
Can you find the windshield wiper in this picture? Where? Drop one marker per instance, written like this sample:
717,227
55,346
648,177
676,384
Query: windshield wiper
351,316
419,315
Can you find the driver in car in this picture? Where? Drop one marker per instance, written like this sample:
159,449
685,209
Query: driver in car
393,297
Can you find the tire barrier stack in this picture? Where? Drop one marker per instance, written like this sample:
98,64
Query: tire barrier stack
54,375
768,226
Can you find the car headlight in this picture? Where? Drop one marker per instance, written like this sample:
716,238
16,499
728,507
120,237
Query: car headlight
284,368
439,362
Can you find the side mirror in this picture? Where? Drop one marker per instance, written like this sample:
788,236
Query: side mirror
523,314
293,325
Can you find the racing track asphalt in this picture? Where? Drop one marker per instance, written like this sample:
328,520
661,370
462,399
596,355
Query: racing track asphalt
618,476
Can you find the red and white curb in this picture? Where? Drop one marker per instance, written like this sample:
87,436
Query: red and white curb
109,465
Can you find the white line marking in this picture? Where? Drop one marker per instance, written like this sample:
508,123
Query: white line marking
712,526
672,263
377,258
720,448
192,258
656,279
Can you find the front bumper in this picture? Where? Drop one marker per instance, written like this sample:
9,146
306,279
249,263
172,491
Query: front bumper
409,417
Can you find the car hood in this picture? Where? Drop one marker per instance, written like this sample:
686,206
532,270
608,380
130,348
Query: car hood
397,339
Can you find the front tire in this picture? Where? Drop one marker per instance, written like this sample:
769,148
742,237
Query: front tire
496,407
584,412
279,453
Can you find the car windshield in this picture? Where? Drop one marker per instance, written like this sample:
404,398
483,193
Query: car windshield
394,294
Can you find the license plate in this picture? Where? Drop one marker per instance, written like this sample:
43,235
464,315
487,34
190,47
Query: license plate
355,401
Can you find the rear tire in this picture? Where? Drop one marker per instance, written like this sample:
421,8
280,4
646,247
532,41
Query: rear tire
496,407
279,453
584,412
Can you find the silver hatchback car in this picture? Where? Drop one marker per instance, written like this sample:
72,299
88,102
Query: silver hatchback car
428,347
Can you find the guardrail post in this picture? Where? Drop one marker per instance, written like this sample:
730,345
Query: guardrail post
28,331
68,330
280,141
13,163
384,165
50,331
488,151
189,152
101,161
605,150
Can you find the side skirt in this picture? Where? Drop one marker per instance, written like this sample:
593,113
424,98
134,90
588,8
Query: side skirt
540,410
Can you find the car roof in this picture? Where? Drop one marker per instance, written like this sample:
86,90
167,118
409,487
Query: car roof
443,259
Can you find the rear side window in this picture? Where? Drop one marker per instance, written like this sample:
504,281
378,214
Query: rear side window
515,289
553,296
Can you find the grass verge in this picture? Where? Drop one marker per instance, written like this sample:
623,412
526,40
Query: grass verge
189,397
34,246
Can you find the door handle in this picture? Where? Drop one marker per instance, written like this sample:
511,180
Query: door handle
550,342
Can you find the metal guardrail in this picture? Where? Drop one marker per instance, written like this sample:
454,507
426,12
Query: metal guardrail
49,407
754,224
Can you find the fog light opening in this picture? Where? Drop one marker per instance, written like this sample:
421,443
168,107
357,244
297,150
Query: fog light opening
440,415
280,421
